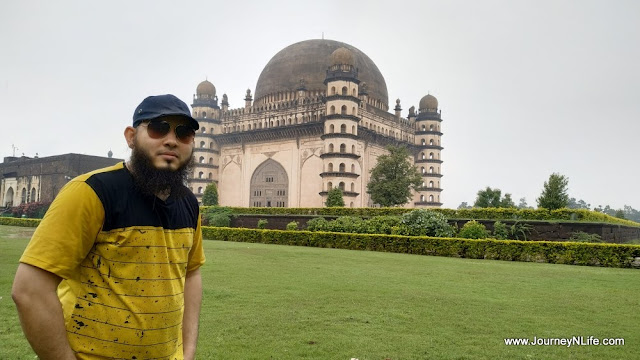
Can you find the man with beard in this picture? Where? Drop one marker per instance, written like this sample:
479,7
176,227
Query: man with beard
112,271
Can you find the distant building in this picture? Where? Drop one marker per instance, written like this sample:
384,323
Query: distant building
25,180
318,119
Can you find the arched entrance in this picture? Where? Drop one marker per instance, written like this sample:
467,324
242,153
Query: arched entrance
269,186
8,199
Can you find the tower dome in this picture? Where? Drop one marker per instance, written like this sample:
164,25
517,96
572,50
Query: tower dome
342,56
429,103
308,61
206,88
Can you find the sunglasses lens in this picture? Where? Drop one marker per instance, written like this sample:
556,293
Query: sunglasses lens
185,133
158,129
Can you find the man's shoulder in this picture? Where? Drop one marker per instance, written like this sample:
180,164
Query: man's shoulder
103,172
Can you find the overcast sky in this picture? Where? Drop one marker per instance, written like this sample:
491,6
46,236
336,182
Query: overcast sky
526,88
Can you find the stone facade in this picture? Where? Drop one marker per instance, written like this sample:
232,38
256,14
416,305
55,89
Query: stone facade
319,120
24,179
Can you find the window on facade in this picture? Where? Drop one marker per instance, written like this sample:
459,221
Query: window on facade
431,170
430,184
341,185
329,185
333,90
343,110
342,166
330,148
200,190
353,187
201,160
430,141
422,198
422,170
343,128
353,149
430,155
330,167
430,198
331,129
422,156
345,91
201,144
204,114
343,148
424,142
200,174
332,110
353,168
210,160
210,176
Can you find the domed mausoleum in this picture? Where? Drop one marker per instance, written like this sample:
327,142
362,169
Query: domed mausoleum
319,118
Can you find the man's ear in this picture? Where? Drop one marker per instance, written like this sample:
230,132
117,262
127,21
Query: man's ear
129,135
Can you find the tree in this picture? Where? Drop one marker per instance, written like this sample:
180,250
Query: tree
488,198
578,204
393,178
507,202
334,198
210,196
554,193
523,204
493,198
464,205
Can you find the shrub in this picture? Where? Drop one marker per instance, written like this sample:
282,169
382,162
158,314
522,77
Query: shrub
519,231
425,223
610,255
262,223
292,226
217,216
318,224
346,224
380,224
473,230
500,230
32,210
581,236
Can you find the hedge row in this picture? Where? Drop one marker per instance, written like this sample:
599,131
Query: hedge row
609,255
471,214
19,222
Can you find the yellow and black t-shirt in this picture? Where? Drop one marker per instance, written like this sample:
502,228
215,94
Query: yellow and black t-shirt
123,257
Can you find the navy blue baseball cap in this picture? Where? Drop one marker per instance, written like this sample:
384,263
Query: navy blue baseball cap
154,107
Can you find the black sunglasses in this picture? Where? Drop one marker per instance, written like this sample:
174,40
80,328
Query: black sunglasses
160,129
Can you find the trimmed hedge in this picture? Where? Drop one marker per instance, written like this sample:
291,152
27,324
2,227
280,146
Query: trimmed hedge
19,222
470,214
608,255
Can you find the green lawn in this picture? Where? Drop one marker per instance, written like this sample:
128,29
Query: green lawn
282,302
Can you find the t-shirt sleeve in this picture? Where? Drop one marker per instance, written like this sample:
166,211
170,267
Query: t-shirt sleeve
67,232
196,255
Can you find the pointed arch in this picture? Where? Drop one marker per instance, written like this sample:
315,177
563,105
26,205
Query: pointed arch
269,185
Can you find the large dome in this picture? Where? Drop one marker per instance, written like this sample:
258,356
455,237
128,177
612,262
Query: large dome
308,61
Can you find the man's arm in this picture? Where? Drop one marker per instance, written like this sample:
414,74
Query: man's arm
192,302
40,311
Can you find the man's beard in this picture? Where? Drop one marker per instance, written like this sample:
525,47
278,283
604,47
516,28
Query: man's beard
152,181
